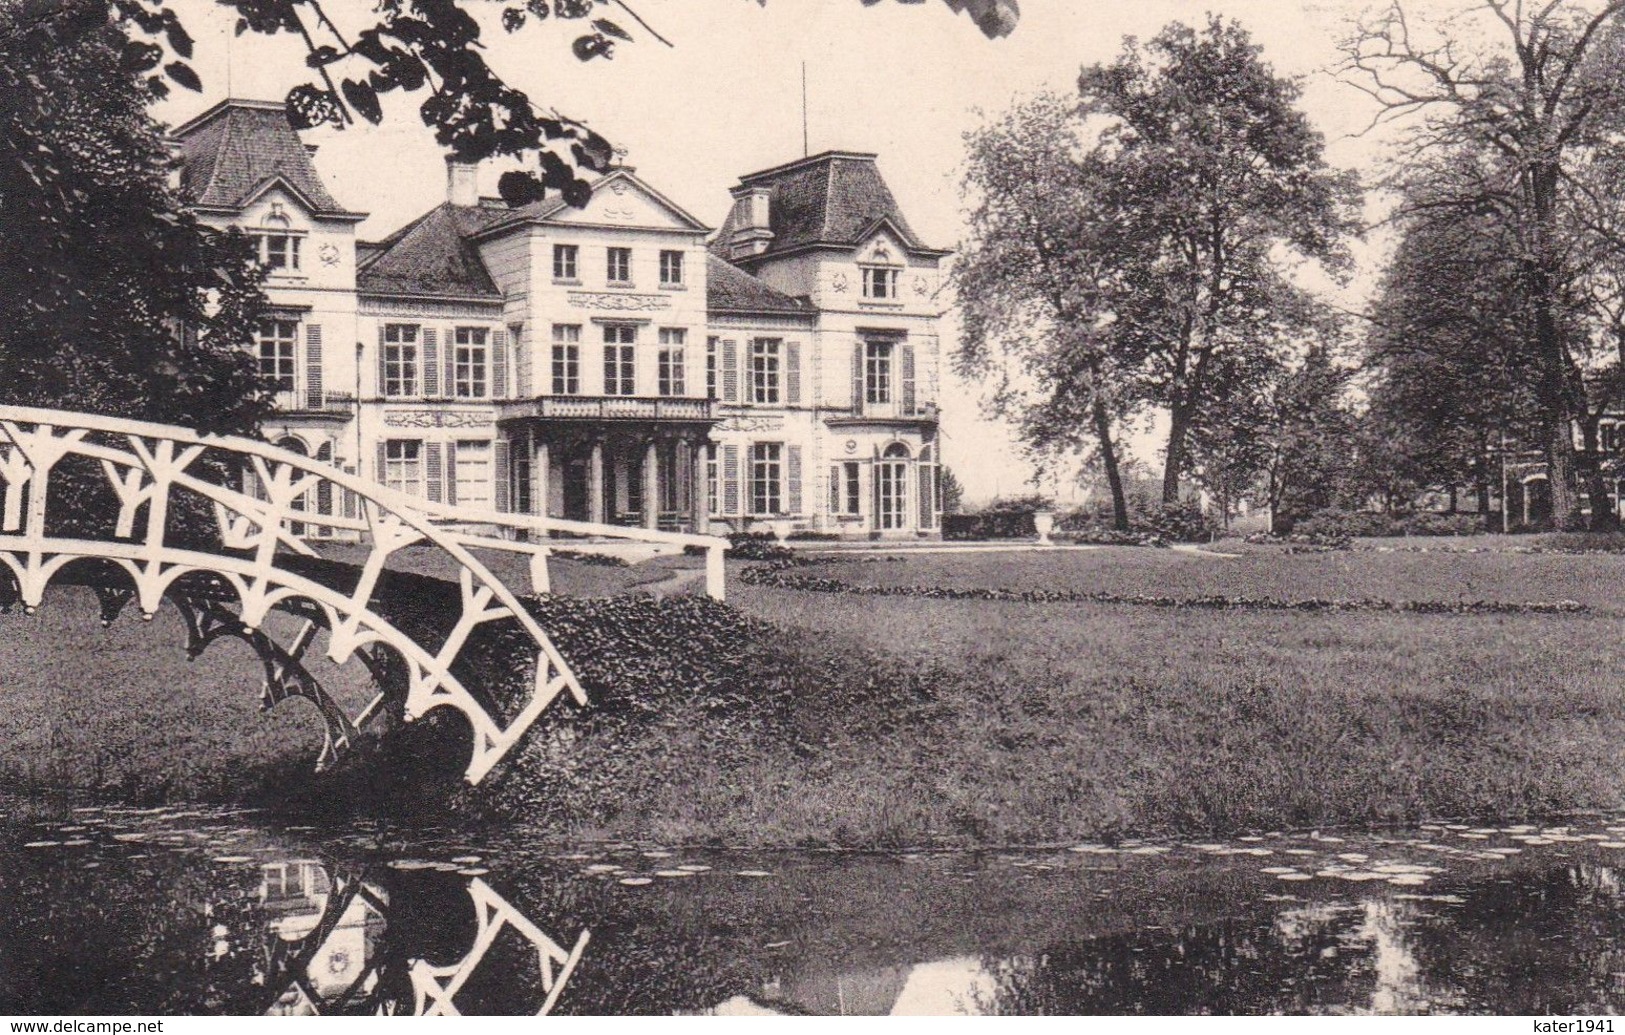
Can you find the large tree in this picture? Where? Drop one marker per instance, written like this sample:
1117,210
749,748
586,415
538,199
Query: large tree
116,300
1031,285
1531,86
1217,181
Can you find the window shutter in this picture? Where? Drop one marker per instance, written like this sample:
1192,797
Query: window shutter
383,464
382,350
500,475
434,472
451,473
347,499
835,488
313,366
730,371
521,363
499,365
857,378
792,471
431,363
730,479
792,373
251,483
928,489
448,374
908,379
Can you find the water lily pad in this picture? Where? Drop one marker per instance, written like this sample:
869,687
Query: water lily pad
1293,876
673,873
658,854
76,842
1092,850
465,860
1358,875
752,873
1408,879
695,868
1299,851
1147,850
1255,851
1611,844
636,882
1472,836
473,871
231,860
603,868
1277,870
775,945
1354,857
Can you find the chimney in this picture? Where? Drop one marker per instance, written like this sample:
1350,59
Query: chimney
752,222
462,182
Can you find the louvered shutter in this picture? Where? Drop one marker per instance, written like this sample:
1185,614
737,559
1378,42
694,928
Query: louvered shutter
928,490
251,483
435,472
500,475
857,378
313,366
835,488
730,371
380,475
451,473
792,472
521,363
730,479
431,363
792,373
383,355
347,499
448,367
499,365
907,352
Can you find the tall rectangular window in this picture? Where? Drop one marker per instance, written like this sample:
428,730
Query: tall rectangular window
403,465
671,269
564,262
400,360
766,474
620,370
879,282
711,368
877,379
471,364
277,339
566,359
851,498
673,340
764,370
278,251
618,267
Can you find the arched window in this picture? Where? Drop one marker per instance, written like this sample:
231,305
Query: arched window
896,451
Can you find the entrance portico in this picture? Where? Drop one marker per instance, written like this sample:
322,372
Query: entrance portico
617,460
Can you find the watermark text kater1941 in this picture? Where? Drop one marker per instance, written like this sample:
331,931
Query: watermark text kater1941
1575,1026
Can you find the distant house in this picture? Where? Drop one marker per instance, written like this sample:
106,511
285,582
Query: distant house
613,363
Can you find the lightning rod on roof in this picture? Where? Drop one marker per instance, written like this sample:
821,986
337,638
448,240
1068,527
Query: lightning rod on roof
805,149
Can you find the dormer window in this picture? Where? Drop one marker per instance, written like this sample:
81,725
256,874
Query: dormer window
278,245
880,283
671,269
618,266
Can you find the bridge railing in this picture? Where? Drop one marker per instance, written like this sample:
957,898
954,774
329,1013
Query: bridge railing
145,465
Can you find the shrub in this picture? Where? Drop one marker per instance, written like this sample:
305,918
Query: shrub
1179,523
758,546
989,525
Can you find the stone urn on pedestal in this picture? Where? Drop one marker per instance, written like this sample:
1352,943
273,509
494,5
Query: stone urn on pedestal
782,530
1044,524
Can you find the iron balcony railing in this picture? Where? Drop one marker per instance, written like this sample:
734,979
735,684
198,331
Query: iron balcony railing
610,407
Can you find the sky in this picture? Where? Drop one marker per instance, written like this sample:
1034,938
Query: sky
903,80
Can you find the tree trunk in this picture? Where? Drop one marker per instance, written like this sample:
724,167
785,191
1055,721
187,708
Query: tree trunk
1603,516
1178,426
1108,458
1556,401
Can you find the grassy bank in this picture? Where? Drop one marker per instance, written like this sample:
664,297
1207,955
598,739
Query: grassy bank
860,720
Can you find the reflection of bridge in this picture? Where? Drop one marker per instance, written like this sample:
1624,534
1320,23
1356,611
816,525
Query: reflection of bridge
338,945
146,512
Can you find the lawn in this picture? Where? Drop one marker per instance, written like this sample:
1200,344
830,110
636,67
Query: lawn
886,721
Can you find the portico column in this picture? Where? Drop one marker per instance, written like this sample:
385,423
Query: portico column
651,484
540,474
699,498
595,482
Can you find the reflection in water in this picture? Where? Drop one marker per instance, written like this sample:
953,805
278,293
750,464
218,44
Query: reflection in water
330,949
125,912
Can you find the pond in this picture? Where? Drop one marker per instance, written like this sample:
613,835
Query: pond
129,911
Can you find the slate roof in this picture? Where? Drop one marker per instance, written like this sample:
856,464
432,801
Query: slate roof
432,256
235,149
835,198
729,289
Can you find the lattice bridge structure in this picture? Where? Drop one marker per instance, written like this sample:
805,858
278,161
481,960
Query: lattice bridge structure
221,528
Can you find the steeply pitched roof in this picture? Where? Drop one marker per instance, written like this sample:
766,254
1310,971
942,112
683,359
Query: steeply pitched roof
835,198
730,289
432,256
236,149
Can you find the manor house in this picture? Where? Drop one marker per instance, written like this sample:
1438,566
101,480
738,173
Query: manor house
617,363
